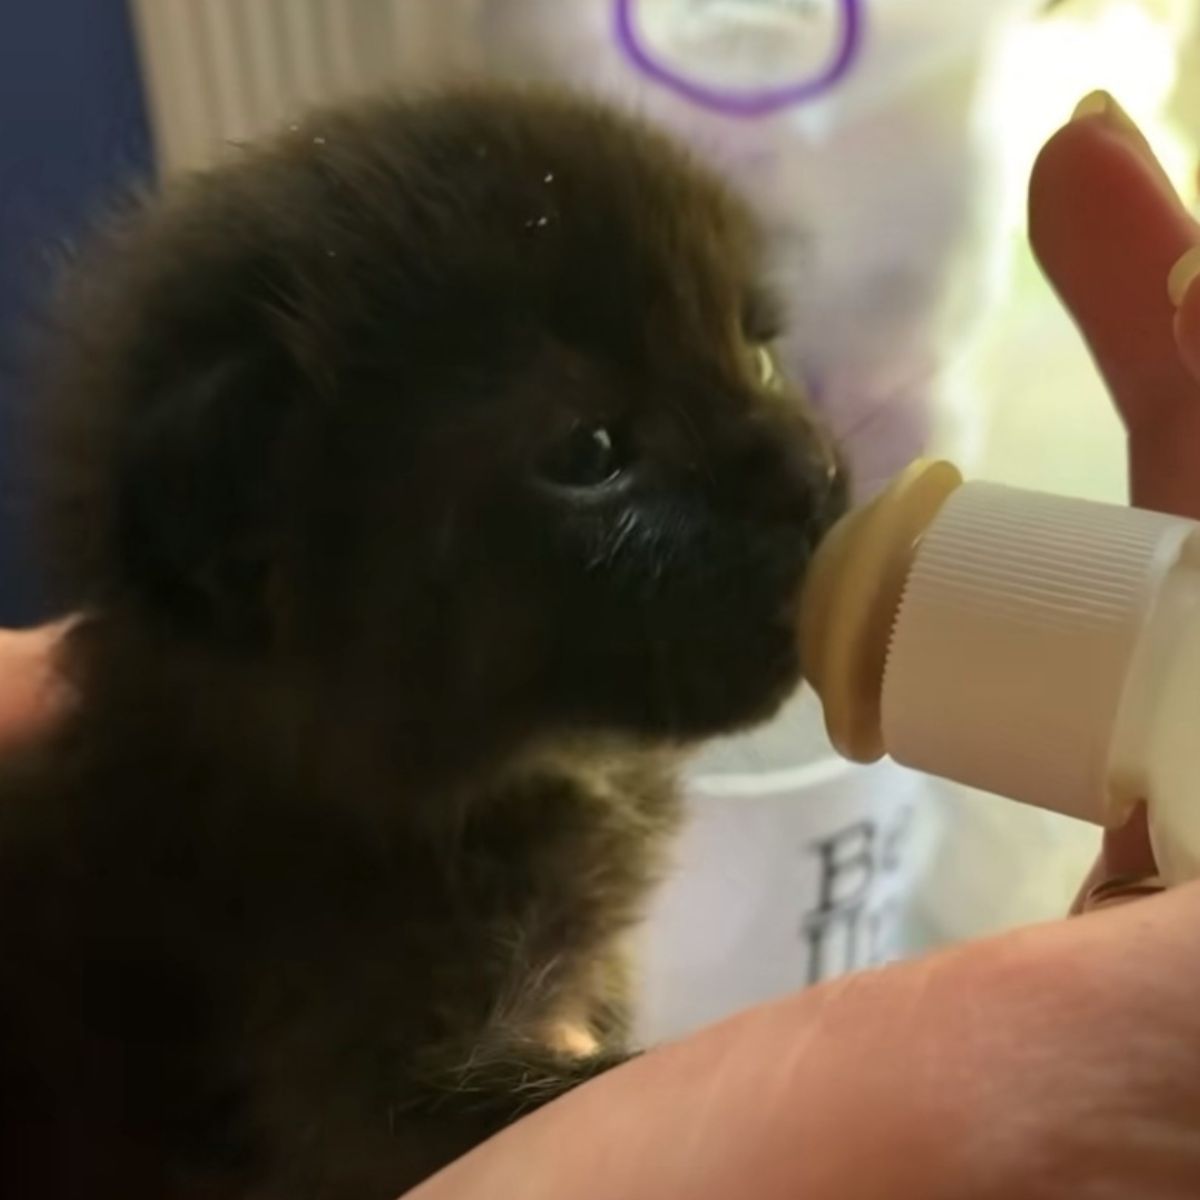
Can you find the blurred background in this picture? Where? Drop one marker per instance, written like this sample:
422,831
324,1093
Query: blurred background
886,146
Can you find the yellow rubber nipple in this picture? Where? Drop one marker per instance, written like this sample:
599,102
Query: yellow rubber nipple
851,599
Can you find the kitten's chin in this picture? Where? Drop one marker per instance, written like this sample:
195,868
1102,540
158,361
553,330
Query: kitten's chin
731,694
764,709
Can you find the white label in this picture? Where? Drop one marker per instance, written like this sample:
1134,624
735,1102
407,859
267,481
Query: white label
778,891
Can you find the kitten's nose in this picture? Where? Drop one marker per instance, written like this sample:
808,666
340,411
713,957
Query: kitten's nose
793,476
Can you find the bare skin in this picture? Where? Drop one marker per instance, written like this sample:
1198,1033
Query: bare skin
1061,1060
28,694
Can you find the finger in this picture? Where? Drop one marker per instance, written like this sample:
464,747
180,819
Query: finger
1091,881
1127,849
1102,104
1107,229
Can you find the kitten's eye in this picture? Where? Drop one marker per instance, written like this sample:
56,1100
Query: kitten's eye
586,458
766,369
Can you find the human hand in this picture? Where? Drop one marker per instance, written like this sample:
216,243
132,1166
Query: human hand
1059,1061
29,693
1108,230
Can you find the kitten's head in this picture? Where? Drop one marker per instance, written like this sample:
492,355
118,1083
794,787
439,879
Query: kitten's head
465,403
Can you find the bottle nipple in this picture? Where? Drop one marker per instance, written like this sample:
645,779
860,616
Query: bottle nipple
854,588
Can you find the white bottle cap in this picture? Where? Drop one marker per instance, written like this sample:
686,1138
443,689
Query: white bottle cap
1011,649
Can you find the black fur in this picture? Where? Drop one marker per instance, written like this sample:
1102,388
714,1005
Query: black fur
425,493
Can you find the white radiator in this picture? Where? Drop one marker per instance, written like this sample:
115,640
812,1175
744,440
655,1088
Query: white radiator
221,71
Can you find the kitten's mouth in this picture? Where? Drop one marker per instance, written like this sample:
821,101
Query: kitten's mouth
822,525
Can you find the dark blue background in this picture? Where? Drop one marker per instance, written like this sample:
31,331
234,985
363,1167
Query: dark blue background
73,128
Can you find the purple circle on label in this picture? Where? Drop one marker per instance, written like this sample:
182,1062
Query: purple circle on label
733,102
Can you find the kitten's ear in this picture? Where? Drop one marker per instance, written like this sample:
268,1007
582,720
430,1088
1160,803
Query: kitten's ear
195,504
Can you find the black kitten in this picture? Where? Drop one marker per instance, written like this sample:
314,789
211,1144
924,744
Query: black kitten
428,487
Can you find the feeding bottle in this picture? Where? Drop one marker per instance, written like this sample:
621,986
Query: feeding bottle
1034,646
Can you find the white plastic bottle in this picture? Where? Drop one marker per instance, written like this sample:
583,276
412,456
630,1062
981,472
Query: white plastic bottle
1034,646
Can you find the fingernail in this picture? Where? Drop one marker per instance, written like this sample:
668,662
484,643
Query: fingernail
1102,104
1183,275
1092,105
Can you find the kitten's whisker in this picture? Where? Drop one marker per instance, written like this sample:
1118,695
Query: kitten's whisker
627,527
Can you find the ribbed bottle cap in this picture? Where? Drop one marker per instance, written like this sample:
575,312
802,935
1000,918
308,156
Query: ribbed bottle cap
1013,640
